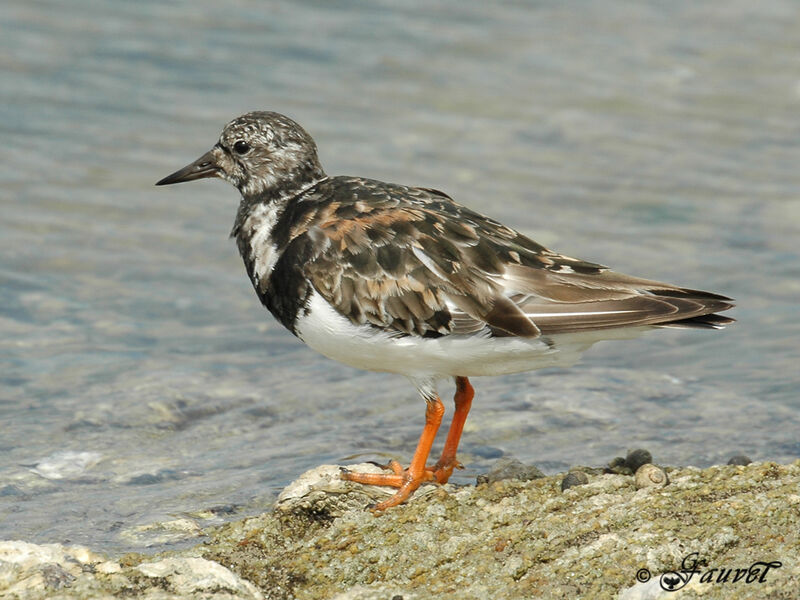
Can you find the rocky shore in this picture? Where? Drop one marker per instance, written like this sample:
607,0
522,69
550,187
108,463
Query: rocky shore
723,532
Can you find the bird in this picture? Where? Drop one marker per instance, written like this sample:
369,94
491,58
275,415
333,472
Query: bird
402,279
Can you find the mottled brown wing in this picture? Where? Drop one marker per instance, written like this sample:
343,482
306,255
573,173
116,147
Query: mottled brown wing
388,268
561,294
413,261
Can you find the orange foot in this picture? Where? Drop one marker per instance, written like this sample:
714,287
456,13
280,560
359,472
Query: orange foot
439,473
408,480
401,478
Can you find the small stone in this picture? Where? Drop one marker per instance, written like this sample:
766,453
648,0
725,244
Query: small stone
55,576
574,478
164,532
740,459
193,577
619,466
510,468
638,457
108,567
650,475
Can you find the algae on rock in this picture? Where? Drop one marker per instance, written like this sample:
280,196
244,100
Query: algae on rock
508,539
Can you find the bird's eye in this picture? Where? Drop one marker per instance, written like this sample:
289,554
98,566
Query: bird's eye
241,147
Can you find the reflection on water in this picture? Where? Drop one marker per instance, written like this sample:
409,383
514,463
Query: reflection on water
142,382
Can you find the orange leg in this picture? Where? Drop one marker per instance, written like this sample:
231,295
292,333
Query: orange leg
416,474
447,462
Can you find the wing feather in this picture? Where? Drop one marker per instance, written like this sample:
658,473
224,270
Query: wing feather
413,262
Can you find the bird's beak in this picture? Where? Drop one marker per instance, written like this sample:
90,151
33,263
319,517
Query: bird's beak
205,166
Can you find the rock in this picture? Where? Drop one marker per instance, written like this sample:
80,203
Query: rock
164,532
574,478
508,540
647,590
379,592
191,577
650,590
650,476
637,458
55,576
321,493
30,570
510,468
37,571
108,567
740,459
630,463
523,539
34,572
619,466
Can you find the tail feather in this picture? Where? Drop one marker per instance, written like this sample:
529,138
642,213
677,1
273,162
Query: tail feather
712,303
712,321
570,302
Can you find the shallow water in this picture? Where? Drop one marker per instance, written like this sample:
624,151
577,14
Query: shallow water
141,381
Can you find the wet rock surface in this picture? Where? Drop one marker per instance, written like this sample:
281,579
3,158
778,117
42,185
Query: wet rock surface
574,478
31,571
510,468
505,539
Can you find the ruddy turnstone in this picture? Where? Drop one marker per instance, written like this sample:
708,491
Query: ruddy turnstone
402,279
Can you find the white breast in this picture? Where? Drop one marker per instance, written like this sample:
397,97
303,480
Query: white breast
365,347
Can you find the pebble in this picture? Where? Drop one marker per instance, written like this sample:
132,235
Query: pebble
637,458
574,478
510,468
630,463
650,475
618,466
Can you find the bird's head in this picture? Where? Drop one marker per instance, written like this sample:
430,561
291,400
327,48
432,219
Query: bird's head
259,153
